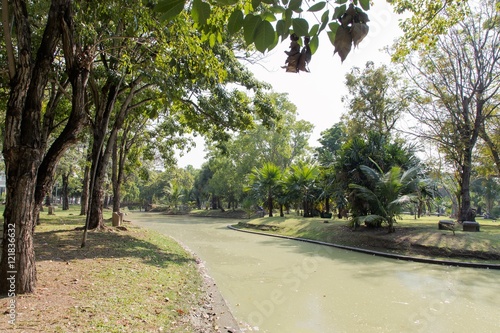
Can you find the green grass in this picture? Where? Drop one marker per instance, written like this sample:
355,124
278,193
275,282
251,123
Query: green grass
412,237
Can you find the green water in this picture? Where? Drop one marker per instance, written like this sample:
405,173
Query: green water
283,286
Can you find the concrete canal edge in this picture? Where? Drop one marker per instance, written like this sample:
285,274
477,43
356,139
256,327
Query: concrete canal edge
378,253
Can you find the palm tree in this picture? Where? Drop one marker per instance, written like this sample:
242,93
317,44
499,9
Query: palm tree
387,194
302,184
266,182
173,193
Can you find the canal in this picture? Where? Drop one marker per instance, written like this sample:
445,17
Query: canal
278,285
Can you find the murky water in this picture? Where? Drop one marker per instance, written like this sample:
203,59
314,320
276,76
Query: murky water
284,286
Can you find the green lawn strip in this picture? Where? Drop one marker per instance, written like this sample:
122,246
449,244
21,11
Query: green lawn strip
419,237
132,280
148,284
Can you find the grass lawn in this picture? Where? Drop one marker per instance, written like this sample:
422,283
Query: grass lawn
419,237
125,280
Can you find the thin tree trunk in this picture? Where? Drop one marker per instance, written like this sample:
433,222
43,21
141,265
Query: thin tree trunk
65,190
115,181
84,202
270,204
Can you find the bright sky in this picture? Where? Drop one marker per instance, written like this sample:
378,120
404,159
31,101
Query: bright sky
318,94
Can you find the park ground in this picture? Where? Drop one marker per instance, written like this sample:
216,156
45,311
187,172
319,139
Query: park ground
126,279
129,279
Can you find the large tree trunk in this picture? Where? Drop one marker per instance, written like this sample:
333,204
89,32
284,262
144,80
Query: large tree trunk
22,152
97,205
466,213
28,173
104,106
327,204
101,150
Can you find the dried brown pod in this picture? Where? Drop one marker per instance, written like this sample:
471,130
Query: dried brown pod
345,20
362,17
292,61
305,56
343,42
351,10
358,32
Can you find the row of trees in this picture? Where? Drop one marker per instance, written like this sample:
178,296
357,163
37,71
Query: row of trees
104,73
370,136
101,74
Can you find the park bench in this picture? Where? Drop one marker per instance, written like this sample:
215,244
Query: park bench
447,225
470,226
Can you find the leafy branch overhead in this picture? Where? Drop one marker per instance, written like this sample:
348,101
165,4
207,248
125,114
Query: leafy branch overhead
265,23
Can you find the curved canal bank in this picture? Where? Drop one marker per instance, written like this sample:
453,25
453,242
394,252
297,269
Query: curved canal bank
377,253
279,285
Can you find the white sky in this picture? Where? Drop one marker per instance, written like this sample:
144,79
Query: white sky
317,94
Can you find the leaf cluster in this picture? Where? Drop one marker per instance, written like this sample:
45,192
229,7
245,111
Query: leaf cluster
263,23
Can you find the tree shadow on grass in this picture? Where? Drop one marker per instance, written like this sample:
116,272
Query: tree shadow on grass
65,245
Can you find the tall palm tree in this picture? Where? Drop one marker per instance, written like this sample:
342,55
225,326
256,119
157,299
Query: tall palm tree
302,182
266,182
387,194
174,193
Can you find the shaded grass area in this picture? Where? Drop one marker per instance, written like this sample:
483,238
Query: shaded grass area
125,280
415,237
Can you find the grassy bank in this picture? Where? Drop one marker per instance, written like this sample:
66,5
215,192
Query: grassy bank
125,280
416,237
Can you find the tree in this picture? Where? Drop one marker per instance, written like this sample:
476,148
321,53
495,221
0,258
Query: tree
265,182
458,90
29,158
488,189
387,194
377,151
281,141
302,185
375,101
201,190
326,154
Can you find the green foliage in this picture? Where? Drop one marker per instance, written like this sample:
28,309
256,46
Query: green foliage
377,151
170,9
386,194
302,186
280,141
427,21
262,22
265,184
375,100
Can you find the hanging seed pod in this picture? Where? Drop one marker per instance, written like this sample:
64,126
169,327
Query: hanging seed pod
292,61
343,41
305,56
348,16
351,10
362,17
358,32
